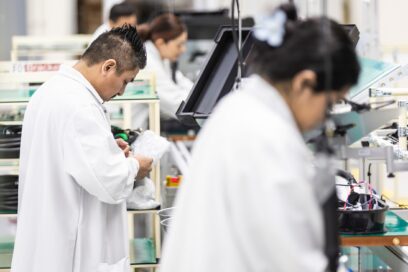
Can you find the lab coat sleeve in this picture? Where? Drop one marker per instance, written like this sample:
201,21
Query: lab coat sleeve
171,94
93,159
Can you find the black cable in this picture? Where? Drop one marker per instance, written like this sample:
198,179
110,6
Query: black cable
403,206
366,107
234,34
240,58
357,107
369,173
382,104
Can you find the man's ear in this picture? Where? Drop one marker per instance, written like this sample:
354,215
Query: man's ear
304,80
108,66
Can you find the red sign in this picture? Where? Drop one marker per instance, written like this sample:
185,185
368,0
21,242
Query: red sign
41,67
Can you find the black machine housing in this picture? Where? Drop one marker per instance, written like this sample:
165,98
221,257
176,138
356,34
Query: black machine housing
217,77
219,73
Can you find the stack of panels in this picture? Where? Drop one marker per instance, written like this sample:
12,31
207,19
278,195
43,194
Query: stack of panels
10,139
8,192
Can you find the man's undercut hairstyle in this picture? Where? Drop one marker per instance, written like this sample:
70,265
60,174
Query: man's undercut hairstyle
124,9
122,44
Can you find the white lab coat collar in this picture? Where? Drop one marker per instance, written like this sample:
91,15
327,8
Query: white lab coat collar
154,54
152,51
268,95
74,74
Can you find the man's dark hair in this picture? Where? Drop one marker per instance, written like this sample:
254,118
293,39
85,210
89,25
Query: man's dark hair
317,44
122,44
124,9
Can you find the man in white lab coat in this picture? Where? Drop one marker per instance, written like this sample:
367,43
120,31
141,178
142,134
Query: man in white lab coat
74,177
250,202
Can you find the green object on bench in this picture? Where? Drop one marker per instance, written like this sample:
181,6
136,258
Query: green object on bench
142,251
6,253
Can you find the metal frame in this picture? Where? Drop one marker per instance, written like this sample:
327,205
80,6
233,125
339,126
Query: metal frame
38,46
393,256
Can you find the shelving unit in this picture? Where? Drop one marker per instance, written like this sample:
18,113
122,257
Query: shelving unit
26,73
39,47
6,255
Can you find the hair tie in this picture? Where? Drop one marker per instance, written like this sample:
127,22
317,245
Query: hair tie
272,29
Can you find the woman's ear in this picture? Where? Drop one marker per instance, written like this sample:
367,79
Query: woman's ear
108,66
159,42
304,80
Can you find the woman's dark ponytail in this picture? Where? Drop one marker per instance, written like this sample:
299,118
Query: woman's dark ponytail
144,31
166,26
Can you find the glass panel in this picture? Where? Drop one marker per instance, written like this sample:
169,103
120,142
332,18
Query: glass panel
362,259
137,90
371,71
140,88
141,250
7,234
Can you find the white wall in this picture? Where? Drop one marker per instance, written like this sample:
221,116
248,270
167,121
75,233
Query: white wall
248,7
58,17
106,6
12,22
51,17
393,22
256,8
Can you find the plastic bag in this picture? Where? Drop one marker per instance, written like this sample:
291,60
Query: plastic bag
151,145
143,196
154,146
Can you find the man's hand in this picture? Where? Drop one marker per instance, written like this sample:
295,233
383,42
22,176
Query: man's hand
124,146
145,166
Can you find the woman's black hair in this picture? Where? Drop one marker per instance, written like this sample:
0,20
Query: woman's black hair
317,44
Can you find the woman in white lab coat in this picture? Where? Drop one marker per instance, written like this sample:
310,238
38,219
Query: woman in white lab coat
249,202
165,38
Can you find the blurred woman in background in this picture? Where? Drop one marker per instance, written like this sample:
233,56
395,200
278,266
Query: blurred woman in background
165,39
